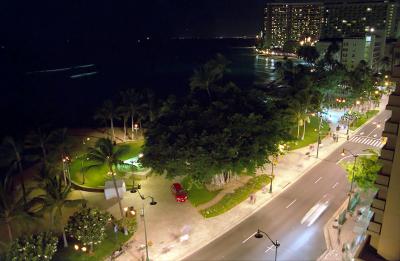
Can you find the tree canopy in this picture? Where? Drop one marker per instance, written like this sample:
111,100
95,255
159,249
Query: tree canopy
308,53
365,170
232,130
88,226
37,247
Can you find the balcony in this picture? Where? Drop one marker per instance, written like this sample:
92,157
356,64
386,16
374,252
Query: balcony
396,72
382,191
382,180
378,216
391,127
374,227
379,204
394,101
387,154
391,140
386,167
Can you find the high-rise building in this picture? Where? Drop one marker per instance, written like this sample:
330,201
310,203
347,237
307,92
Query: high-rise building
384,227
349,18
369,48
298,20
291,22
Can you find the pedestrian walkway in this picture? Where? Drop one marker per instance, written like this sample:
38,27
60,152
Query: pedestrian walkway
165,221
367,141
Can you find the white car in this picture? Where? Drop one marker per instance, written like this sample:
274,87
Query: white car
314,213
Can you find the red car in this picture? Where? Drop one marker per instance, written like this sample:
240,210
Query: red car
179,192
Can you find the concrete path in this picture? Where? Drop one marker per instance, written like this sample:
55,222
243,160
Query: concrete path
166,221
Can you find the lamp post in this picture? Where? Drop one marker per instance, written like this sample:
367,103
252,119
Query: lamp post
260,233
353,172
136,128
319,115
153,202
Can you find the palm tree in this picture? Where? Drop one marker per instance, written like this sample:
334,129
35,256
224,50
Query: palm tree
300,114
13,208
108,111
295,109
104,152
11,156
123,113
60,147
56,199
305,98
130,98
39,139
208,74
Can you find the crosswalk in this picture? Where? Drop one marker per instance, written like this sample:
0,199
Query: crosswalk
367,141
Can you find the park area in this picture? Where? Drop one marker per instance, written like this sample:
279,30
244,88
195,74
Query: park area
96,177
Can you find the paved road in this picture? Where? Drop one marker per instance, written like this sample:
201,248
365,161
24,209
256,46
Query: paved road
281,217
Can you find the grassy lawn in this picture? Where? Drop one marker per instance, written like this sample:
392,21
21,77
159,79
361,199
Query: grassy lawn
311,133
239,195
363,119
198,193
96,177
105,249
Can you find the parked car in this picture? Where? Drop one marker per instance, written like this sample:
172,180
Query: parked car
179,193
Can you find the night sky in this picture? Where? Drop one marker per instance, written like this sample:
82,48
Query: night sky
51,21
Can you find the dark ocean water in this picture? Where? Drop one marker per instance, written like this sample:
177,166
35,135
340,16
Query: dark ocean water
63,85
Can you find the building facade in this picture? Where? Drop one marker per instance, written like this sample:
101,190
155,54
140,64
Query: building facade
291,22
295,21
384,227
350,18
352,50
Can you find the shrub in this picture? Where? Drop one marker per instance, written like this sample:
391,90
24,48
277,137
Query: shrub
129,222
35,247
88,226
240,194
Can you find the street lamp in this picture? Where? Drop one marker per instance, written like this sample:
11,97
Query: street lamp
353,172
136,128
274,159
153,202
260,233
319,115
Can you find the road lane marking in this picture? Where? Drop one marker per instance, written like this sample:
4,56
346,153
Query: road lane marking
291,203
362,133
269,248
334,186
244,241
318,180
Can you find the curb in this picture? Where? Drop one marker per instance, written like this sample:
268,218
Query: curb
284,189
368,121
327,236
260,206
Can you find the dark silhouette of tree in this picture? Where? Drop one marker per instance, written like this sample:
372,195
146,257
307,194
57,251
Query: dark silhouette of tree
308,53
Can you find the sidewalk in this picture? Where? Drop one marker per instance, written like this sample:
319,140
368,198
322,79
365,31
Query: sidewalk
166,221
164,233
